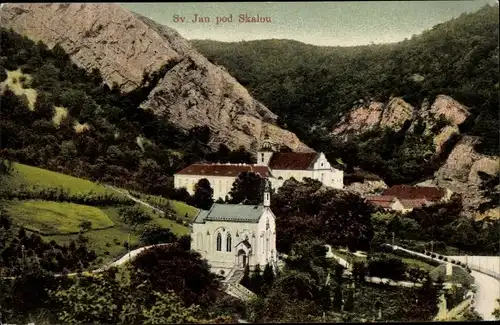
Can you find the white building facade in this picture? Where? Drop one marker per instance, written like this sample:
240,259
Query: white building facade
277,167
220,176
235,235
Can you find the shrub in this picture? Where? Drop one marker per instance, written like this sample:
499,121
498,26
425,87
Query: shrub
386,266
440,257
108,245
359,271
445,259
433,255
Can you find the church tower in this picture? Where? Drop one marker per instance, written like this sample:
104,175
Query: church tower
265,152
267,194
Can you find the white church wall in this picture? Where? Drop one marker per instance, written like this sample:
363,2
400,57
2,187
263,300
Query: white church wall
220,184
224,260
266,251
321,162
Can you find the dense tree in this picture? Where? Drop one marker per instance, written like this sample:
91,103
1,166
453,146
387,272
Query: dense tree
203,197
86,225
490,185
171,267
268,275
155,234
349,303
103,299
256,280
337,297
248,188
496,312
306,210
104,135
134,216
245,280
311,88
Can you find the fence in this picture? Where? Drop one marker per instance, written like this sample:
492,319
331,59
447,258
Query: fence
489,265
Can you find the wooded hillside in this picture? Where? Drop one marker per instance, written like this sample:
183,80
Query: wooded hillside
312,87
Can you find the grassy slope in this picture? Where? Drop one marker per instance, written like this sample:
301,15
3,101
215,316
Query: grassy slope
48,217
108,243
180,208
41,178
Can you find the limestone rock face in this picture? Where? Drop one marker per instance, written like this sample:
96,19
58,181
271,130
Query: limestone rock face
367,187
362,117
394,113
452,110
460,173
124,46
366,115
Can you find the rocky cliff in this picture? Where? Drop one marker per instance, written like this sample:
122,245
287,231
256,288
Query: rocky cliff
393,114
460,173
124,46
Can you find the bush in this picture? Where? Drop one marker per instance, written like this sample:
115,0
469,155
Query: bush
440,257
386,266
445,259
359,271
433,255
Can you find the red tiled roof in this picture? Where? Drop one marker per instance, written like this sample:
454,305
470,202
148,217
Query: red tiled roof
407,192
411,204
384,201
232,170
293,160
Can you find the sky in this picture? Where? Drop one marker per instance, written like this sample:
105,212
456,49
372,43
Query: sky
319,23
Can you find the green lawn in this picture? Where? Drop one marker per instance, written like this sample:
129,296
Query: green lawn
48,218
109,243
180,208
418,263
42,178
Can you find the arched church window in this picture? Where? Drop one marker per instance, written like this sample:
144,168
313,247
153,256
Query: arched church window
228,243
219,242
267,224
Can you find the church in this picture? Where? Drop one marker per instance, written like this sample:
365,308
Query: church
277,167
232,236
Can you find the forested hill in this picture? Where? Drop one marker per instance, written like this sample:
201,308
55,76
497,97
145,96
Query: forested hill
57,116
311,86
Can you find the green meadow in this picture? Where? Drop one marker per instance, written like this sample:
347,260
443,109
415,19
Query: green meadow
60,221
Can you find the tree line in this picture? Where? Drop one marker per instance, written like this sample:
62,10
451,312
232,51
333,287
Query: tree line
311,88
116,141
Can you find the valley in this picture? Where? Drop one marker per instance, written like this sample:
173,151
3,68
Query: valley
351,184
